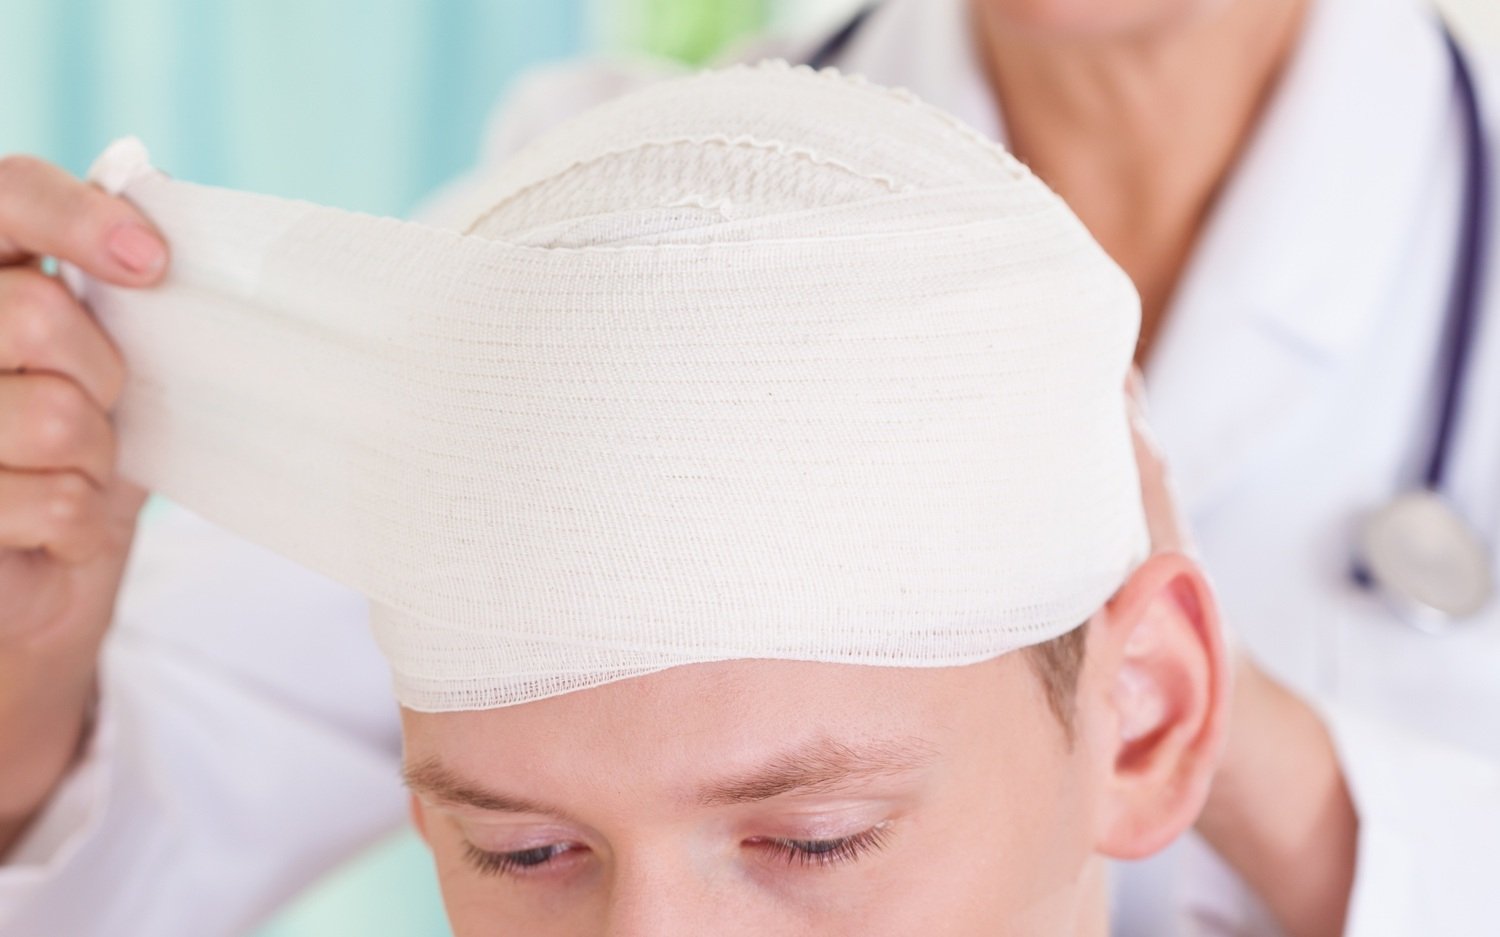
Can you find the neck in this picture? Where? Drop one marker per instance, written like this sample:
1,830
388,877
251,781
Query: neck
1138,131
1093,909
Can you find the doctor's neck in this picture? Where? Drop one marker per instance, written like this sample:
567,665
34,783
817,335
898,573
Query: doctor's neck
1135,112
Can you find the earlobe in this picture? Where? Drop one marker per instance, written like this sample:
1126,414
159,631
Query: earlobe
1161,679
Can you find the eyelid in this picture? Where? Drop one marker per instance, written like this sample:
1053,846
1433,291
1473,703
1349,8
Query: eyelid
827,852
807,853
506,833
824,819
512,863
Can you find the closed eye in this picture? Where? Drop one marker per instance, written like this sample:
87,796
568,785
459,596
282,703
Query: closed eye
806,853
518,862
825,852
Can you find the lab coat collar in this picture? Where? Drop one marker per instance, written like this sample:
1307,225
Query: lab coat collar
1310,223
929,48
1304,239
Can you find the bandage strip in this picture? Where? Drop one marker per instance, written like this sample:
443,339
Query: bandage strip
761,363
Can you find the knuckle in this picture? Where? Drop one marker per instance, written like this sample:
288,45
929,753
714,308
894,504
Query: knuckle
69,498
37,289
57,418
69,508
85,223
31,314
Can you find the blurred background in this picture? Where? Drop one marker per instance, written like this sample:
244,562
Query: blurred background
362,104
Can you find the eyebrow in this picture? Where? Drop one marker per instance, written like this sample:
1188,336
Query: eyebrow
820,766
433,778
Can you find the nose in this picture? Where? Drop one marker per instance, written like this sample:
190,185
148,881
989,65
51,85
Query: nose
661,900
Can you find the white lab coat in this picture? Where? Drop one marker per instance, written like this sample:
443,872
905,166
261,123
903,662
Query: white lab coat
248,739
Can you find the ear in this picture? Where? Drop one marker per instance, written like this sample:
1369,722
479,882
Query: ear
1159,677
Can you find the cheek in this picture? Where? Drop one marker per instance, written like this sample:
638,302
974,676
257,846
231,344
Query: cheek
1016,875
1093,19
1013,876
1015,840
1022,851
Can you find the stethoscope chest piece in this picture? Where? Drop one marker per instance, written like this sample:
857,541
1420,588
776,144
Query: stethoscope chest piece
1426,561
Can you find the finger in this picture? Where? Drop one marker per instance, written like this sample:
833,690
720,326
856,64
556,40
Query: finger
1163,520
59,512
44,210
43,328
48,423
1135,387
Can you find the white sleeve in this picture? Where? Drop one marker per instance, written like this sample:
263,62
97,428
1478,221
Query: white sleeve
246,741
1428,860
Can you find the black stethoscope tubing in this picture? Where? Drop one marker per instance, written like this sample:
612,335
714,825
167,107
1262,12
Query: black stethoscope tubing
1465,296
836,41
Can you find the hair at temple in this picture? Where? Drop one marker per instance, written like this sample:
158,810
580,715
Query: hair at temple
1057,664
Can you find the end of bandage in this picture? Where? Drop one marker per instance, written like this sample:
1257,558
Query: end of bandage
122,162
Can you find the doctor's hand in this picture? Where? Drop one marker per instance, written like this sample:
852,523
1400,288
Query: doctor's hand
1279,810
66,519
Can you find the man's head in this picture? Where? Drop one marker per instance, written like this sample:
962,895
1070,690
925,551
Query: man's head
783,797
709,494
803,451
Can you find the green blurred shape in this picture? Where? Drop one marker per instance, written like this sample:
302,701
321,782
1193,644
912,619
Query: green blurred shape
390,890
689,30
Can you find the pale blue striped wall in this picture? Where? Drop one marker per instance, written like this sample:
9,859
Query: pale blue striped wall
363,104
391,891
360,103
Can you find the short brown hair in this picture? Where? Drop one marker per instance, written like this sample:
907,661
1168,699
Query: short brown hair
1057,664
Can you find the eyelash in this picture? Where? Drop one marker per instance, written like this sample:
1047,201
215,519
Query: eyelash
512,863
801,852
827,852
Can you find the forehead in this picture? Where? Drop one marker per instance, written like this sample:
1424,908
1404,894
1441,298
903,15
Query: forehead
665,731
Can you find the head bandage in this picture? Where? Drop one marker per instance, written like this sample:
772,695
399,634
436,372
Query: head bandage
761,363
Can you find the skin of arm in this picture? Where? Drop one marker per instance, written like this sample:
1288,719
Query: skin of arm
1279,810
66,519
46,722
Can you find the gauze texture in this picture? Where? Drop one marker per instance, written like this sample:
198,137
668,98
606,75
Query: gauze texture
756,363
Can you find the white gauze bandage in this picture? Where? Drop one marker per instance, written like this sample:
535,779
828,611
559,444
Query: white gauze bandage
758,363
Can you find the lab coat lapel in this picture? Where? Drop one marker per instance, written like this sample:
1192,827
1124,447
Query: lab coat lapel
1302,243
927,47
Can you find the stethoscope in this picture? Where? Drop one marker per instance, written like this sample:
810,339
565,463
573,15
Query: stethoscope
1416,551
